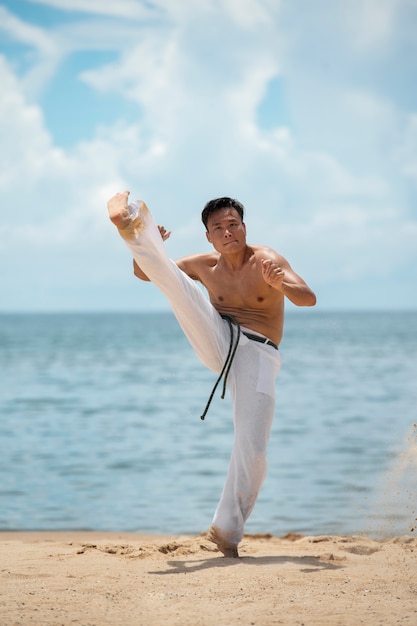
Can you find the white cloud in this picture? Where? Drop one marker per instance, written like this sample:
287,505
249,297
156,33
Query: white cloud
250,14
121,8
326,189
370,22
406,153
25,144
23,32
45,53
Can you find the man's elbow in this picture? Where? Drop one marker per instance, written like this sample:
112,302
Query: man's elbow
307,299
311,300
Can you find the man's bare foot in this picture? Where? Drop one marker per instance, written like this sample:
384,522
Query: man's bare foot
128,222
118,211
228,549
229,553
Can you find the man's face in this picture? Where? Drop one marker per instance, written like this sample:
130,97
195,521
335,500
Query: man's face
226,231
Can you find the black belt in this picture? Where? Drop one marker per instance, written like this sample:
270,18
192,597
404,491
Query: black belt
264,340
234,342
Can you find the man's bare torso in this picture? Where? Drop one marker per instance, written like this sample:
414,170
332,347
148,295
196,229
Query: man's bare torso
241,291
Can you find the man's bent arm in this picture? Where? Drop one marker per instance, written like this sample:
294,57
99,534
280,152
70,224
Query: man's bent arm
300,294
279,274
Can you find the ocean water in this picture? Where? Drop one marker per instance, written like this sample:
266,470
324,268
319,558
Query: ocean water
100,428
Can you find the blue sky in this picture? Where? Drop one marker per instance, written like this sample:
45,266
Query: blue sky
304,111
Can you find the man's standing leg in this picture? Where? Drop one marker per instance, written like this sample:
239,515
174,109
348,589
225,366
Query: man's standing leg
252,387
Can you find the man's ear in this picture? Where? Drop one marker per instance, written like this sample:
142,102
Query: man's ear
208,236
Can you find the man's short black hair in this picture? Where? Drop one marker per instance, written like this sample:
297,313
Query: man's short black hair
221,203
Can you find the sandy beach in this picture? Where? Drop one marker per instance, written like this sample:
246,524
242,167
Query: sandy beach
105,579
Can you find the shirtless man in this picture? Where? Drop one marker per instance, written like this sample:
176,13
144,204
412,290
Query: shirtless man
246,285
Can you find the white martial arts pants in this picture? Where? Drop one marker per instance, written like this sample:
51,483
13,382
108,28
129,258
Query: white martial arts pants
251,379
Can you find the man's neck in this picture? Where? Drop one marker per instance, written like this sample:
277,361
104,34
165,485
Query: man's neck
235,261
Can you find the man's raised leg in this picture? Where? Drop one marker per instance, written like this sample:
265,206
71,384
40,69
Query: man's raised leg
205,329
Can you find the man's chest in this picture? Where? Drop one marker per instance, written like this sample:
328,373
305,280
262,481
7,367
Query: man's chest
238,289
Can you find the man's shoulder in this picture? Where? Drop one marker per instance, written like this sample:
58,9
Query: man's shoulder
266,252
205,258
194,264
